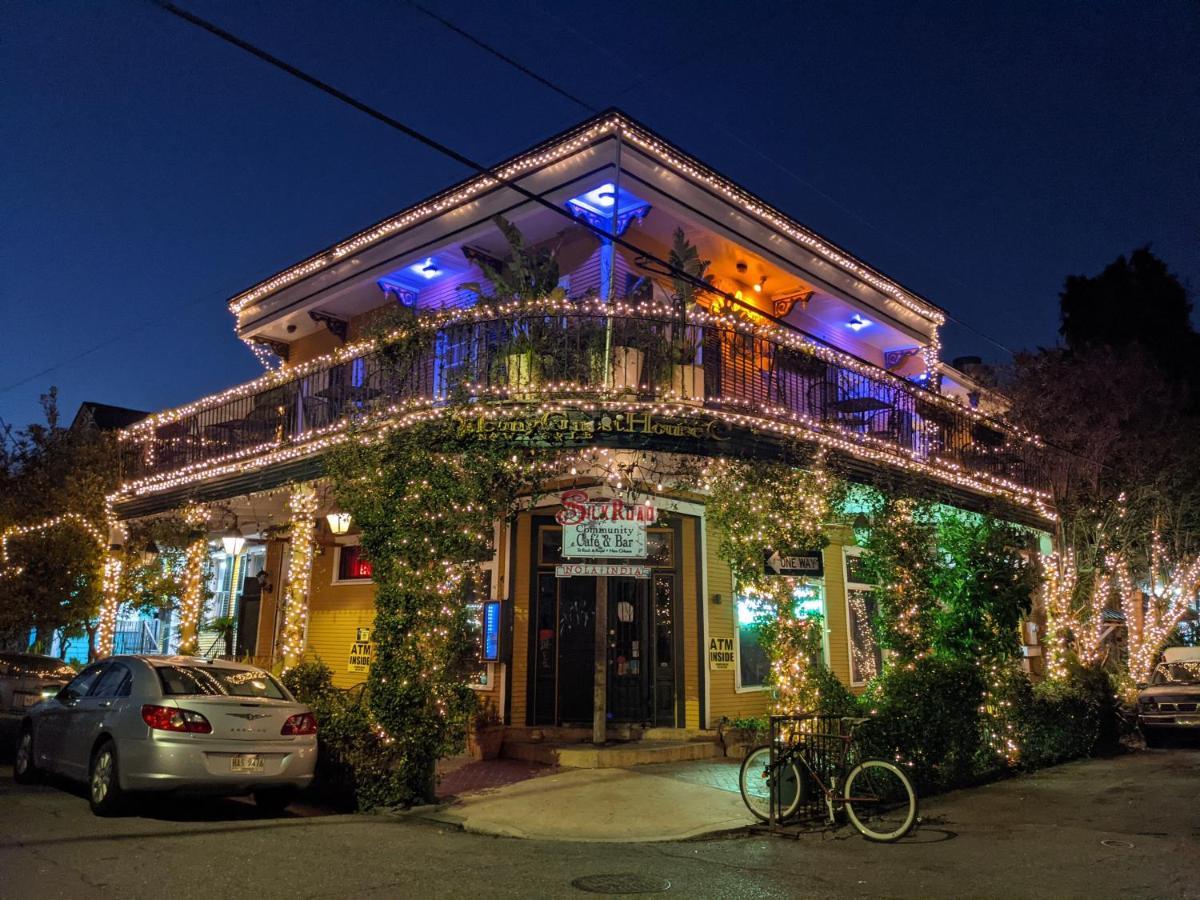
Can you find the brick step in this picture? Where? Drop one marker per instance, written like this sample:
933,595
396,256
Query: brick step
612,756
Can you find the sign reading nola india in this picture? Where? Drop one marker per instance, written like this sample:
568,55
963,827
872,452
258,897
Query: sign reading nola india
598,529
571,426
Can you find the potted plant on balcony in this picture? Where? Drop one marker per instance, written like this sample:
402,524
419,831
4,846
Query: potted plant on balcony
485,736
526,275
687,378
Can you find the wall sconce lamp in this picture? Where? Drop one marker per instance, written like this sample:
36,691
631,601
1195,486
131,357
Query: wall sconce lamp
716,599
339,522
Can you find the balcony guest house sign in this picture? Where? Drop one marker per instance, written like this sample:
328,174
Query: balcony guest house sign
603,529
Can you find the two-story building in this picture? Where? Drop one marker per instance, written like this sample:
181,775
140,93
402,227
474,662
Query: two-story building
798,342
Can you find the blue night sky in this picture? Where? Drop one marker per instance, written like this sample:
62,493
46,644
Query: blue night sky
976,152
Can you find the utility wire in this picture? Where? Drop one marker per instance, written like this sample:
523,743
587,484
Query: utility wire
488,48
763,155
449,152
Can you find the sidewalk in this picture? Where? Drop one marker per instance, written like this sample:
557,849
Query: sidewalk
666,802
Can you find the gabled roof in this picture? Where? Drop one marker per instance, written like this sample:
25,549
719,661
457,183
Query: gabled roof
566,144
105,417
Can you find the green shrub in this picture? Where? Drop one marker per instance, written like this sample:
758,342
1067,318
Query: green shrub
833,697
1069,719
926,717
356,768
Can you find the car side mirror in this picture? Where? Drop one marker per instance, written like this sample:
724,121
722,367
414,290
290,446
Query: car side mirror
66,695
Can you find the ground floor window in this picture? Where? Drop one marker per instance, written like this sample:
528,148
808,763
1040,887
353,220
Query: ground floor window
753,664
866,656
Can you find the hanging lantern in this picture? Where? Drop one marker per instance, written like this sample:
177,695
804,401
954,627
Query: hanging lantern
149,553
232,540
339,522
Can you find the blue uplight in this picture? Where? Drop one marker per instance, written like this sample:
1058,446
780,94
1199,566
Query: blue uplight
857,323
426,268
599,205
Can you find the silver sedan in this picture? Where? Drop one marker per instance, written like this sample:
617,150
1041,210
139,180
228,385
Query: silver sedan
171,723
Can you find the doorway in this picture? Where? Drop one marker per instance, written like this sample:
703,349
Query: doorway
643,643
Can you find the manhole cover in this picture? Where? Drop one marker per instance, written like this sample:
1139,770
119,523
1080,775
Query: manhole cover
1121,845
622,883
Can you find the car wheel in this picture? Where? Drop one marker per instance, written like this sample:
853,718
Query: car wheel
1153,738
104,784
274,801
25,770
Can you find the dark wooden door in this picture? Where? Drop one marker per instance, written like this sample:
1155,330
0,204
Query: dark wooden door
576,649
629,652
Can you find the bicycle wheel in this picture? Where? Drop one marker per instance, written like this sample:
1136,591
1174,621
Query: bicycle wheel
880,800
755,781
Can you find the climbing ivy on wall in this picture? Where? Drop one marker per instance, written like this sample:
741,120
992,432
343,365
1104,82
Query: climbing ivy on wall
426,499
763,506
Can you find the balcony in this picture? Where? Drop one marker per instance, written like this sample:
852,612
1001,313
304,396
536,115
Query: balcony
757,379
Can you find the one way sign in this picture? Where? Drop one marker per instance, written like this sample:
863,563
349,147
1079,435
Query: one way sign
809,562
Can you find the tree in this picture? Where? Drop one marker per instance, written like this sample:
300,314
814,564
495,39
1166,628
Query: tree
1134,301
51,474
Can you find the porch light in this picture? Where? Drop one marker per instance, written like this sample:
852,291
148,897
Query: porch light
149,553
339,522
857,323
232,541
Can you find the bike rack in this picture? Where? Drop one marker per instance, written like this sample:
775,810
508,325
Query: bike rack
822,735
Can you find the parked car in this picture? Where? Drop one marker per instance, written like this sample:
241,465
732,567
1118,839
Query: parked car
1171,701
28,678
171,723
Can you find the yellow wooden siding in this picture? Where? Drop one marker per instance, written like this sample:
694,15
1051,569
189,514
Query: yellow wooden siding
519,578
835,603
335,613
724,699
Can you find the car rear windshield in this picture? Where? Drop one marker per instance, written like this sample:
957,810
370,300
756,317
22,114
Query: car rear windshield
1177,673
183,680
32,664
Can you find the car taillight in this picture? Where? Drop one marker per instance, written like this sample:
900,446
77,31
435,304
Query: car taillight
301,723
167,718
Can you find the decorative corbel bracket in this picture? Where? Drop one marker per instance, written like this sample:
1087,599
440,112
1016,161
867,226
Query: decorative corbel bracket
337,326
782,306
279,348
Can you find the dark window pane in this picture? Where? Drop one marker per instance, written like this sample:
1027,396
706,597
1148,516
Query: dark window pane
353,564
866,657
111,682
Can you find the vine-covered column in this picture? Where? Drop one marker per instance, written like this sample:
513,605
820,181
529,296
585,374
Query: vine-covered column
192,602
110,601
302,507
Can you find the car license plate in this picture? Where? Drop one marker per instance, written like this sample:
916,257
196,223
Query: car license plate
247,762
31,699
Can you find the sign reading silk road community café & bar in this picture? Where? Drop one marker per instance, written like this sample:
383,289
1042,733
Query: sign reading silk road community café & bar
603,529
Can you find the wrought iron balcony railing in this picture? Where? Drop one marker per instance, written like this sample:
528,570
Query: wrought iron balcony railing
717,366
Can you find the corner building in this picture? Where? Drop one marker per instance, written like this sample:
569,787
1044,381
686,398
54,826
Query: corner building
801,344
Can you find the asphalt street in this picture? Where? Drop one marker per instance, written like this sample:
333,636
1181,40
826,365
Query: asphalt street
1126,827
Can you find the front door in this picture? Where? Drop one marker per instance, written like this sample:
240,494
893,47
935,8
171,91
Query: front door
644,682
629,651
576,650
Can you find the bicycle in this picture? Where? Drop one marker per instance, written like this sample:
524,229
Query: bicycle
877,796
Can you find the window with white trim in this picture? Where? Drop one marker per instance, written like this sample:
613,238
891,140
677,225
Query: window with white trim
352,564
750,610
866,656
